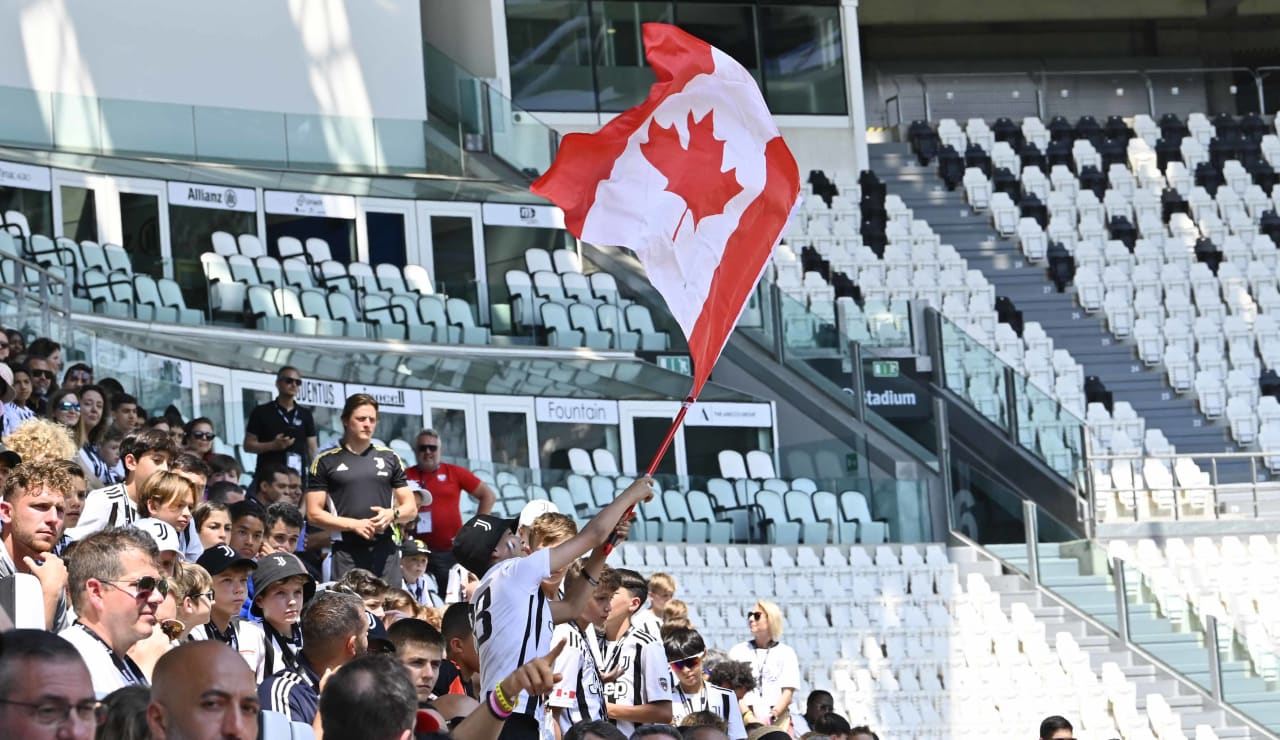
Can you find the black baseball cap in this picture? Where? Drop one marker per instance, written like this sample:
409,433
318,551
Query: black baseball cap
413,547
379,640
474,543
221,557
276,567
9,457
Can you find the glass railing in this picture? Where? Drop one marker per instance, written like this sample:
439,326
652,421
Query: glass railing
113,127
1037,421
482,119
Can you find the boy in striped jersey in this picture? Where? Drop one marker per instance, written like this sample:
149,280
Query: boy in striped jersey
639,687
685,649
143,453
579,695
513,619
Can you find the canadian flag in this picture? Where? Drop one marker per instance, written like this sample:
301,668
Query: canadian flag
696,180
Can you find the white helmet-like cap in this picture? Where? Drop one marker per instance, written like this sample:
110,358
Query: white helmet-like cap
163,533
535,509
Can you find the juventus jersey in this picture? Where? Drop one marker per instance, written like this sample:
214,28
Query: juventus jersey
721,702
580,693
645,677
512,622
105,507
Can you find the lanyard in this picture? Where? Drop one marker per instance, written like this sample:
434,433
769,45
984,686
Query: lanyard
763,661
290,418
288,648
612,656
686,699
128,670
230,638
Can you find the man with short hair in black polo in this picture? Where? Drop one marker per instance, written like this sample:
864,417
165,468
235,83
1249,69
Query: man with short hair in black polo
280,431
365,485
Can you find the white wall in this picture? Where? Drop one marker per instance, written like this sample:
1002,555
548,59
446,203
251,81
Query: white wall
336,57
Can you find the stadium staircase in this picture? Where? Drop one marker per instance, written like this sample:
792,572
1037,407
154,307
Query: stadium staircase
1080,574
1084,336
1060,573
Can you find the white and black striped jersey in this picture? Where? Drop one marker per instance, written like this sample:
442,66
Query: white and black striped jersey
105,507
721,702
580,693
647,622
644,678
512,622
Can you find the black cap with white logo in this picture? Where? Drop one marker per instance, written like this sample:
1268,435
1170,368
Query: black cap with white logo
473,545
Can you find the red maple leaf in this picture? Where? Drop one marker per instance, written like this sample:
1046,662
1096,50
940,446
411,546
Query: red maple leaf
694,173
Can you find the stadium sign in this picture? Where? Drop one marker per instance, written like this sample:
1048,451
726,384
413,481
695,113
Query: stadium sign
391,400
722,414
287,203
216,197
893,389
575,411
25,176
514,214
321,393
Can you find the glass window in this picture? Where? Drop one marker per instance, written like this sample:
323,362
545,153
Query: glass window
79,214
702,446
212,402
340,233
803,60
730,27
451,424
555,440
622,76
386,238
36,205
140,222
649,434
453,251
509,438
549,45
190,231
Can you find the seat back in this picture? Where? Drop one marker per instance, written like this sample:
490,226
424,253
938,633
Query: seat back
224,244
536,260
242,269
390,278
289,246
417,279
364,275
118,259
459,312
251,245
604,462
341,308
318,250
215,268
760,464
431,310
577,287
639,320
315,303
145,290
287,302
580,461
171,293
732,464
566,261
298,273
548,285
262,302
582,316
605,287
270,271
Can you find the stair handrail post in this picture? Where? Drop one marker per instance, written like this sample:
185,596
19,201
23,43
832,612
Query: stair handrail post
857,383
1031,528
1011,404
1122,600
775,315
928,106
1215,658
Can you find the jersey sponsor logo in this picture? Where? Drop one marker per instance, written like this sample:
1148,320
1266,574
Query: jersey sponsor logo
617,690
341,467
379,463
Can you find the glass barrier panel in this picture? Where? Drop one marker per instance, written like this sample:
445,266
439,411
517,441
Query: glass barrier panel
140,127
974,372
329,141
232,134
27,117
401,145
519,139
77,125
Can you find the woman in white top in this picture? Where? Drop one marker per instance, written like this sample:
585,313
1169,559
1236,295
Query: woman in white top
774,666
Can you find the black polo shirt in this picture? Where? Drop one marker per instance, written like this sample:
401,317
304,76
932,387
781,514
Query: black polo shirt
357,482
270,420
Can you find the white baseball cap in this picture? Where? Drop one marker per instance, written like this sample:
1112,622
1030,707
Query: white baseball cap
163,533
535,509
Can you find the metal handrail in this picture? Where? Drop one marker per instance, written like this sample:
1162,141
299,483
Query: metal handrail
1214,487
44,282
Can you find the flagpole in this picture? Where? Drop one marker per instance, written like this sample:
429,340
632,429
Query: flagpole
657,458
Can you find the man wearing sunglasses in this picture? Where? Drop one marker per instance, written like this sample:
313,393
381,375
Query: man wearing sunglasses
116,588
45,691
42,376
685,649
440,518
281,431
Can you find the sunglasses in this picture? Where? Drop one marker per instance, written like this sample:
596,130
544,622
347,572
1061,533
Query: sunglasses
206,436
755,615
42,374
144,586
290,381
205,594
86,377
693,661
428,448
69,406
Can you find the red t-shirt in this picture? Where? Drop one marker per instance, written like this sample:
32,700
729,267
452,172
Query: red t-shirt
446,484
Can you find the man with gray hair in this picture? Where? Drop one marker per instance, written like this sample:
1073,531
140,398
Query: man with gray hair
440,518
45,689
116,587
335,631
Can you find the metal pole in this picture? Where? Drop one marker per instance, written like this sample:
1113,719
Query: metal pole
1151,93
1253,483
1122,600
1262,98
928,106
775,315
944,457
1215,659
857,382
1031,526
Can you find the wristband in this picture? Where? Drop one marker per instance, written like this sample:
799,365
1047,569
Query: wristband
493,706
595,582
507,705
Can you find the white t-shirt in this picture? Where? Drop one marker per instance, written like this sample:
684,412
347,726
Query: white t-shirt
580,693
454,592
721,702
647,622
246,638
107,670
512,622
775,668
645,677
105,507
192,547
